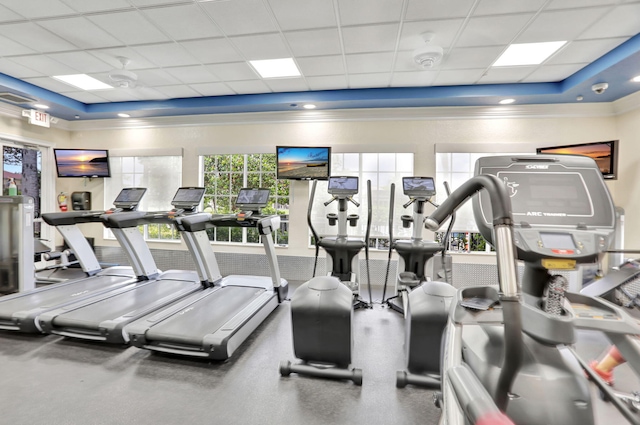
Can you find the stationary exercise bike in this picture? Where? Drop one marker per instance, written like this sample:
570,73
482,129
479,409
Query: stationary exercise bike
343,251
509,350
413,254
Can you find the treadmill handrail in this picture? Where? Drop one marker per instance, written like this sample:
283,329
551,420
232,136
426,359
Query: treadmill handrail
72,217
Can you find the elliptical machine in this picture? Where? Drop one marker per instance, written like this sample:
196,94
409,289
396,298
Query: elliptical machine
510,349
342,250
322,308
413,254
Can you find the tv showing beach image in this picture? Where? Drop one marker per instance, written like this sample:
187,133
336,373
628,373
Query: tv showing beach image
304,163
82,162
601,152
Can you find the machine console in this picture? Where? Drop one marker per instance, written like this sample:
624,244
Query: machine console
187,198
129,198
343,186
251,200
419,187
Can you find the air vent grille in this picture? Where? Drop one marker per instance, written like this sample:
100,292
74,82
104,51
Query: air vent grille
15,98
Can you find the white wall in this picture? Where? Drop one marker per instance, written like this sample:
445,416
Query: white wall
388,135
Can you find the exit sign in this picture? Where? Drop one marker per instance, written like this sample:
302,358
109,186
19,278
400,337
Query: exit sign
39,118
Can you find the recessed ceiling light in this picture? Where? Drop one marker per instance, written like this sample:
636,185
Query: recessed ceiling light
40,106
276,68
121,115
309,106
82,81
528,53
506,101
636,79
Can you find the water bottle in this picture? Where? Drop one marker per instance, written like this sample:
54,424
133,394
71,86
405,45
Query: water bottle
13,189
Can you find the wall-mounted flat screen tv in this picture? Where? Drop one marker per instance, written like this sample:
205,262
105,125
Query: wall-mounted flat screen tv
82,162
604,153
303,163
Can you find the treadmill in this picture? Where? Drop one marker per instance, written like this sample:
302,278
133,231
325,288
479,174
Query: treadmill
214,323
103,318
18,312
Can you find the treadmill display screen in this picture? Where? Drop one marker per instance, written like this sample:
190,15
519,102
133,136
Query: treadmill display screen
249,199
188,196
131,195
547,195
419,187
557,240
343,185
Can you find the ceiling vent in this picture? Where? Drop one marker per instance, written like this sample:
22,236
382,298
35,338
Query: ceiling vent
15,98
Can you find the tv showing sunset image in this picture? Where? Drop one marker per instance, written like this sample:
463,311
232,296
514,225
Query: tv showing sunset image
303,163
82,162
604,153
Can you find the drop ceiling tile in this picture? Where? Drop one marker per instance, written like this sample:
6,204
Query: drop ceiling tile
571,4
240,16
10,48
217,50
118,95
45,65
471,57
30,34
506,74
437,9
550,73
333,82
281,85
561,25
80,32
192,74
265,46
110,56
51,84
366,63
177,92
83,62
624,20
503,30
183,22
413,79
143,3
444,32
7,15
88,6
156,77
249,87
370,38
212,89
34,9
321,65
85,97
233,71
167,54
303,14
584,51
458,77
499,7
314,42
405,63
129,27
16,70
365,81
148,93
356,12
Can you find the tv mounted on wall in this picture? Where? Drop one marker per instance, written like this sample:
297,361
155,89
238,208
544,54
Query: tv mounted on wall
303,163
604,153
82,162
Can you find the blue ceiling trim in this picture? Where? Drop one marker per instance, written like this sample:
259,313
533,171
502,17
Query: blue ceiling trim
620,53
41,95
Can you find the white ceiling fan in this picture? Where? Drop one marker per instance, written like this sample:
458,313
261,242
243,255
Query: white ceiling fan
123,78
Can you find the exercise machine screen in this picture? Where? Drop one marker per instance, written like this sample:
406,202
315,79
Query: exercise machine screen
188,197
343,185
129,197
252,199
419,187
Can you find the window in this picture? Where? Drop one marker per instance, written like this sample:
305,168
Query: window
382,169
160,175
225,174
23,166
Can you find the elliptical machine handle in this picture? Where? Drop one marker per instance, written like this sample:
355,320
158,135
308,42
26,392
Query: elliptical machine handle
353,201
329,201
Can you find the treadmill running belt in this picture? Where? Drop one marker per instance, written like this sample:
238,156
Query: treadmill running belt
204,317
